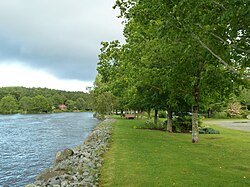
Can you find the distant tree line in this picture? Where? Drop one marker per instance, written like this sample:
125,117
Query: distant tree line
41,100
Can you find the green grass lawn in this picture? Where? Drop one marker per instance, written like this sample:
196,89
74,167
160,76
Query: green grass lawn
151,158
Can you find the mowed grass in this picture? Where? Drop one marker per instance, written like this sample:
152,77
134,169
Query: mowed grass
151,158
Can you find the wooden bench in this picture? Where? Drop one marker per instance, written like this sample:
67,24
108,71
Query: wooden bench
129,116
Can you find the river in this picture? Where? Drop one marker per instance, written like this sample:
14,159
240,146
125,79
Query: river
28,143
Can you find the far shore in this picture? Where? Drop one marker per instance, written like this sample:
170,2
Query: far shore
52,112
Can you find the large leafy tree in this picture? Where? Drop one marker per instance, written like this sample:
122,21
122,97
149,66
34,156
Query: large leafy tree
177,54
81,104
105,103
71,105
41,104
8,105
196,36
25,104
58,99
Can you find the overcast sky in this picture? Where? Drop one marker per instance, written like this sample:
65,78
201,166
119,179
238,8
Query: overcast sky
54,43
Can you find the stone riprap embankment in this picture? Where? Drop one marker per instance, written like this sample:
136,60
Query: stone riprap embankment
80,166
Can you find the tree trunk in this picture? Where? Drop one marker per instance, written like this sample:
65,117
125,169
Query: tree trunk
209,113
170,120
196,95
195,127
155,118
149,118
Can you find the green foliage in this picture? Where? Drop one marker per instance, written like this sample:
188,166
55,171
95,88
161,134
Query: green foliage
178,55
162,114
234,110
104,103
25,104
245,97
81,104
58,99
183,124
8,105
99,116
220,115
208,130
150,125
244,113
28,100
71,105
41,104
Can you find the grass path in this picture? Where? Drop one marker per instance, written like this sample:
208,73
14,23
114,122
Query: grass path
147,158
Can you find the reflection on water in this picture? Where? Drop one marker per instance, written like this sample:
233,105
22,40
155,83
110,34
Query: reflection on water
28,143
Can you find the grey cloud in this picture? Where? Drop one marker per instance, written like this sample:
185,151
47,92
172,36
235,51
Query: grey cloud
61,36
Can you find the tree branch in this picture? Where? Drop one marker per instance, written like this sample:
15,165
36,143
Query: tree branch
223,62
225,42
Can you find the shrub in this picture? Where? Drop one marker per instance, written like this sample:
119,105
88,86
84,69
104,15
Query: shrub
234,109
150,125
159,126
244,113
183,124
220,115
162,114
208,130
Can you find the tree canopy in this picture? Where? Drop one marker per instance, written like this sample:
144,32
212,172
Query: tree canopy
178,55
41,100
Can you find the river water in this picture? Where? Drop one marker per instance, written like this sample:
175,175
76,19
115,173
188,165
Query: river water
28,143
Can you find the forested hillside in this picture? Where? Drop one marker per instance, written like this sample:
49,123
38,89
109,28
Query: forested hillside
41,100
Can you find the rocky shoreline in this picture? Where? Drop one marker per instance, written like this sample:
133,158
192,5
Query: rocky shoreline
79,166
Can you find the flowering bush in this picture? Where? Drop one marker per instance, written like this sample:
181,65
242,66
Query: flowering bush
234,109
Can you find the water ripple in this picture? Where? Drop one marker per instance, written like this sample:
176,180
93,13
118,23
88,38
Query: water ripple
28,143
